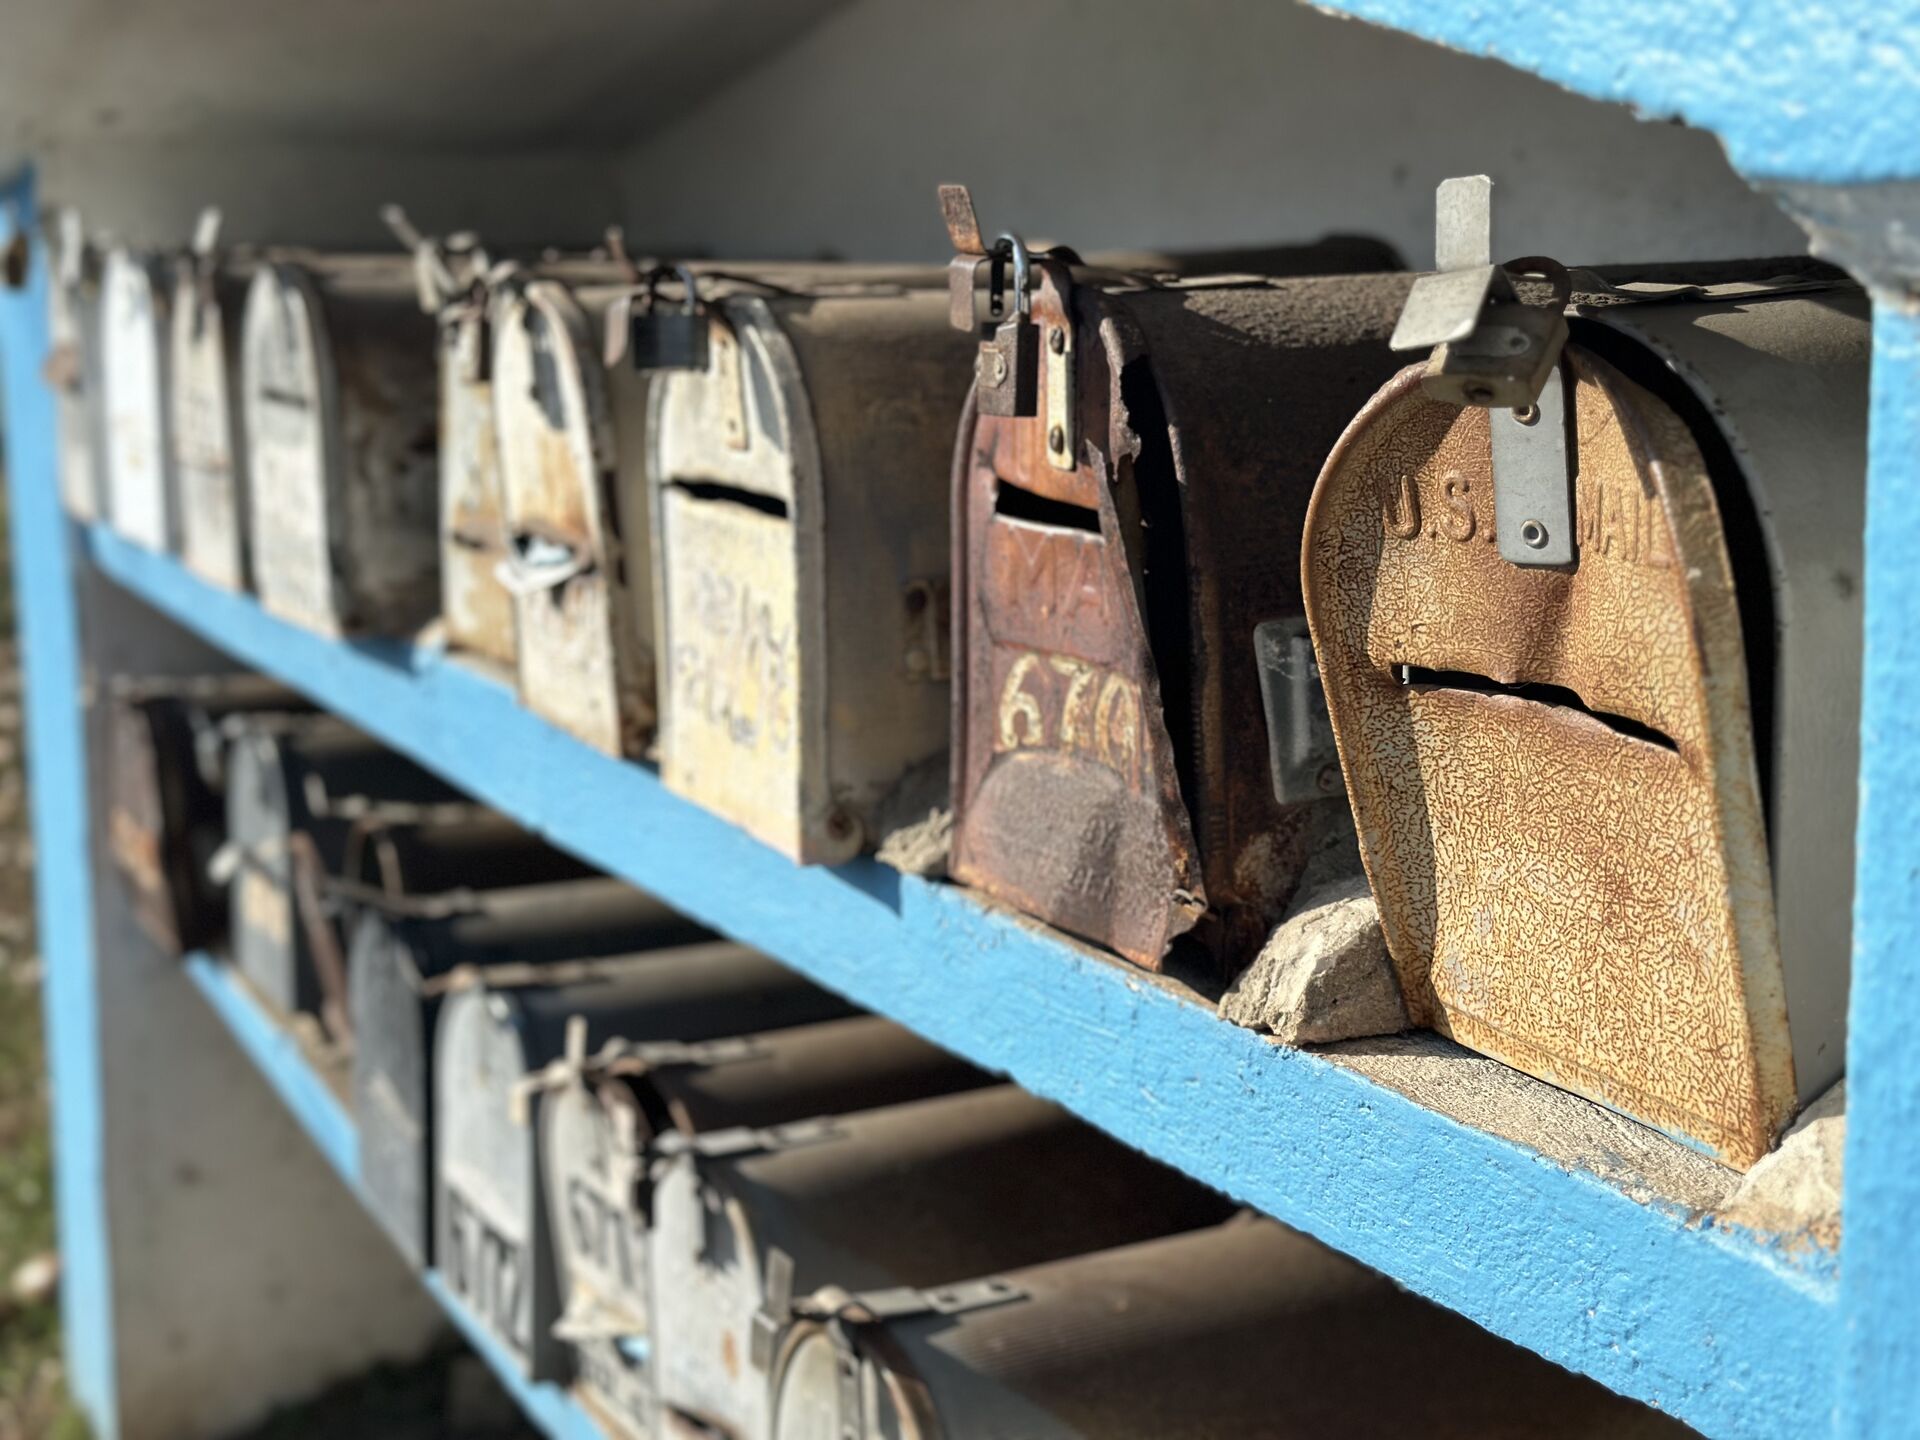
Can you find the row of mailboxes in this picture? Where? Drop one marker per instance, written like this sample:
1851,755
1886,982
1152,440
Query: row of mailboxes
1563,618
718,1201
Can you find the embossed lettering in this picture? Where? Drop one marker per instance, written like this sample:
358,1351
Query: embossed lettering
1071,705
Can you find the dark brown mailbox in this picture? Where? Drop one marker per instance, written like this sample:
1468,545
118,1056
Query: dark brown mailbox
1587,610
1130,645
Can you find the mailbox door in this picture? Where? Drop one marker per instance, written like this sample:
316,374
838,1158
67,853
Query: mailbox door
163,822
570,449
342,429
1067,794
73,367
739,559
477,608
591,1142
392,1085
209,458
292,415
134,302
1553,770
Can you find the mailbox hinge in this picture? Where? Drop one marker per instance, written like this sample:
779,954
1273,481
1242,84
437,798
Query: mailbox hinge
1497,352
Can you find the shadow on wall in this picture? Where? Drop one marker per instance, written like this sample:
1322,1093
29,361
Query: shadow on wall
1108,123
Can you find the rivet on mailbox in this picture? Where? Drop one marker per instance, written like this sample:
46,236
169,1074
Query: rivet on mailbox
1576,611
1129,636
209,448
342,433
135,294
801,526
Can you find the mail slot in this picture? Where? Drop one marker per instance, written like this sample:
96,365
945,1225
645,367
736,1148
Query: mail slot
398,968
297,794
1570,777
1243,1328
1130,642
73,367
574,522
492,1240
135,296
341,418
166,797
597,1134
914,1194
801,540
207,340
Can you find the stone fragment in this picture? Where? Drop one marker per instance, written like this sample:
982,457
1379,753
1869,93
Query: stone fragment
1323,975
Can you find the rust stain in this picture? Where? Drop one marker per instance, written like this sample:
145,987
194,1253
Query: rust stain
1573,878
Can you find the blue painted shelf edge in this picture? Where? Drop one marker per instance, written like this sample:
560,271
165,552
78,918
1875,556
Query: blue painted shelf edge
278,1056
1736,1334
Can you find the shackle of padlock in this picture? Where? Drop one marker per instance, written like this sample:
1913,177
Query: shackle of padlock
1010,249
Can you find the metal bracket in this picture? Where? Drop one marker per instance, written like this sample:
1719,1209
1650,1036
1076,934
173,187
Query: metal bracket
1063,442
1492,351
776,1309
745,1140
1301,751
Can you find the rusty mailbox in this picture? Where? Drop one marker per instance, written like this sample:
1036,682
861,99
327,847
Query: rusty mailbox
299,792
917,1194
1587,611
166,773
597,1133
1242,1328
492,1235
574,561
1130,646
401,964
209,450
73,366
341,416
136,293
800,540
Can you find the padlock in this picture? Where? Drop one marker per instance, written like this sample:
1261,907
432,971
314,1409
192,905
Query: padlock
1505,362
660,339
1008,367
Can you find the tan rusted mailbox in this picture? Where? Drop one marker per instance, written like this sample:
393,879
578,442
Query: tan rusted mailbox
209,450
575,556
798,455
341,417
1140,755
136,293
1592,655
73,366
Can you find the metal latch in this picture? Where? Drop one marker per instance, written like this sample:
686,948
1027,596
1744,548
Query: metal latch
1497,352
746,1140
1012,354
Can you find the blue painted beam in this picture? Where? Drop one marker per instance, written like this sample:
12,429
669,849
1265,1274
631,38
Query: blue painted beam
1736,1337
1880,1390
1810,90
278,1056
49,635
